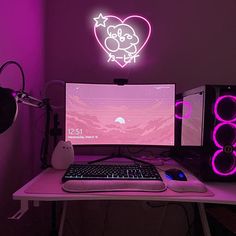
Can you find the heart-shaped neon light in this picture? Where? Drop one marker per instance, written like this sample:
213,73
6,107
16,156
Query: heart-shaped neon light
122,40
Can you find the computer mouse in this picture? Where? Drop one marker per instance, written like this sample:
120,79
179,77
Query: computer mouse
175,174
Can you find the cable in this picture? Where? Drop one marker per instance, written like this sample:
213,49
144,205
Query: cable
45,141
139,151
21,70
106,217
135,152
162,218
70,227
185,212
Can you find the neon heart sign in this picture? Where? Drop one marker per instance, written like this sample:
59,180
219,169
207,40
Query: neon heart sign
122,40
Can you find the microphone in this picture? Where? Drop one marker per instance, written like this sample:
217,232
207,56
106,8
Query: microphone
9,100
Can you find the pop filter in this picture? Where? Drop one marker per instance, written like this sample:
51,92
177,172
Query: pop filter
8,108
9,100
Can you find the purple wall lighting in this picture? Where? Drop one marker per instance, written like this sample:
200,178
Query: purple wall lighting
224,136
122,40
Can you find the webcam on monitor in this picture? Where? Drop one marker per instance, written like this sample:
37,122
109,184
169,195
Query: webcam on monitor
120,81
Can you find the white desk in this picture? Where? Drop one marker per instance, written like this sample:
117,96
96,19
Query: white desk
224,193
47,187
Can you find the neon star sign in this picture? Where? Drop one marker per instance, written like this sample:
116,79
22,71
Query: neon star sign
122,40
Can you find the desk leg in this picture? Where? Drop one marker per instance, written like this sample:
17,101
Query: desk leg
63,216
203,216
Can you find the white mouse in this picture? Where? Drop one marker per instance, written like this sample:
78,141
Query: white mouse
186,186
63,155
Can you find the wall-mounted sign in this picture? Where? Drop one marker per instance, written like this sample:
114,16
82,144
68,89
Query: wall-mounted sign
122,40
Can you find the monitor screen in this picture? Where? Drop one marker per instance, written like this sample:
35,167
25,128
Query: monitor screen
123,115
192,120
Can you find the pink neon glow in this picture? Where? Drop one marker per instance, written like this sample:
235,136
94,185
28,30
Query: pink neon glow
218,172
187,114
121,39
216,130
111,114
218,117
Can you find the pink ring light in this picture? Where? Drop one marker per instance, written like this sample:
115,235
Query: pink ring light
218,172
188,113
216,107
215,132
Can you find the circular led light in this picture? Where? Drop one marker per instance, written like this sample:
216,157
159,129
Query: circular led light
224,134
224,164
185,104
225,108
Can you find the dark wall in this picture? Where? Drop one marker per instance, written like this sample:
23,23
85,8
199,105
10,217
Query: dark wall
22,39
192,42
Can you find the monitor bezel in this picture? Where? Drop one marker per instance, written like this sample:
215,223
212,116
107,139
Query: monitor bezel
122,145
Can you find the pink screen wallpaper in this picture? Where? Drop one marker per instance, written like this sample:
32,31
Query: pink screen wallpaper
112,114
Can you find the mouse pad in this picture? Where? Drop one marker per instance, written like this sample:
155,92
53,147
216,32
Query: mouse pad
49,182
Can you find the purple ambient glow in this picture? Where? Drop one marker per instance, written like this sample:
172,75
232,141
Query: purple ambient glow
122,40
218,117
217,153
187,115
216,130
14,94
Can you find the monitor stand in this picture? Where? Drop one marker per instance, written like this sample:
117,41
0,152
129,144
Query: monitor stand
119,155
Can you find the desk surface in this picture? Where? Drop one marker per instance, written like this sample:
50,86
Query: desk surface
224,193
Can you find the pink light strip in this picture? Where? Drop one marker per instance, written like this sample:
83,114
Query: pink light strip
215,133
187,115
216,107
218,172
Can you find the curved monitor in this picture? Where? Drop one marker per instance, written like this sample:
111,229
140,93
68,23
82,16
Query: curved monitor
124,115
